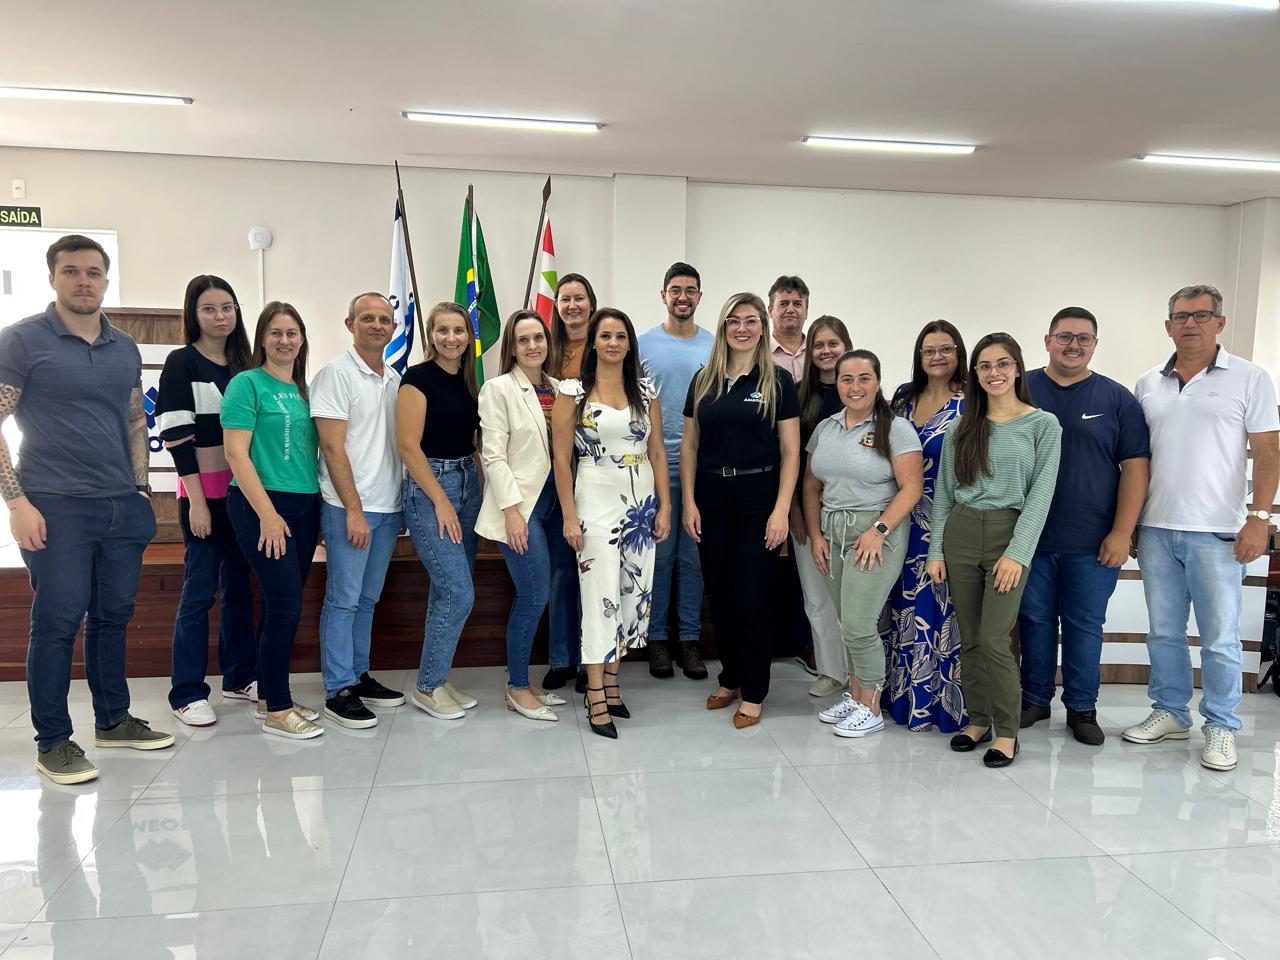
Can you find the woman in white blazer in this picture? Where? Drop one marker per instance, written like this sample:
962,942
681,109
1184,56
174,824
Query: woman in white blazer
520,510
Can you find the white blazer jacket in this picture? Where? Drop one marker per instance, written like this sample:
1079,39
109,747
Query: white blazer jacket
515,449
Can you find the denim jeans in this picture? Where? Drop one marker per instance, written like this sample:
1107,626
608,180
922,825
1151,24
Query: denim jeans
1072,589
564,609
353,586
531,572
88,570
449,565
213,566
677,553
281,579
1180,570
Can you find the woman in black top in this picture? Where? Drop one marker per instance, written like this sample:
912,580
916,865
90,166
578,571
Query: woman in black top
191,387
739,460
826,343
437,422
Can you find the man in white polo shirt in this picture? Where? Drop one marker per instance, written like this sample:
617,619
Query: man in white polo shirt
1206,409
353,401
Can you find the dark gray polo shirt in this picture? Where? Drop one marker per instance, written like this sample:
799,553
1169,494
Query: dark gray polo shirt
74,408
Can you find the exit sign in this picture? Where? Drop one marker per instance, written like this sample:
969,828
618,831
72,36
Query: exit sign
20,217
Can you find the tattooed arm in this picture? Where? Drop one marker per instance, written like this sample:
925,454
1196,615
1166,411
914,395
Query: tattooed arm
138,438
25,521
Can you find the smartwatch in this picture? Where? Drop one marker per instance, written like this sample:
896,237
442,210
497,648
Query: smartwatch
881,527
143,488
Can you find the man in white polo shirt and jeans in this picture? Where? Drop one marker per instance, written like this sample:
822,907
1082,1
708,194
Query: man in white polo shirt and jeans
1206,409
353,401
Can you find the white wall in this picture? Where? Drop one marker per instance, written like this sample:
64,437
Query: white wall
887,263
884,262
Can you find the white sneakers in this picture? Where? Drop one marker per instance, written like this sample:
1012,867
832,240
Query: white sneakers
1159,725
1219,749
840,710
198,713
1219,743
244,693
851,718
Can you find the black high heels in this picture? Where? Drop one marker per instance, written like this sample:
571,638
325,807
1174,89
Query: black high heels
618,709
963,743
601,729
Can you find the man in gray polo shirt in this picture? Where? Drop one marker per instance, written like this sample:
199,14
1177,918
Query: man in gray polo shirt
79,503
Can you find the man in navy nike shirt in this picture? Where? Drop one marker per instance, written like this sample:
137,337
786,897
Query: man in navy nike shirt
1102,482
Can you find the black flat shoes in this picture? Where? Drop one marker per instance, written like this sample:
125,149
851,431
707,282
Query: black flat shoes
963,743
996,758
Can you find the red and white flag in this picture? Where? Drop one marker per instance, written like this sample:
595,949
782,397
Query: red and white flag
542,293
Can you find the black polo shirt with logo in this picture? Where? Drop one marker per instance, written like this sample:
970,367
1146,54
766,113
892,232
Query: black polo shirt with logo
731,431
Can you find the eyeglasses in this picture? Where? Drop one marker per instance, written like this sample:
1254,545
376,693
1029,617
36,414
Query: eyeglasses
1002,366
1064,339
928,353
747,323
1200,316
210,312
688,292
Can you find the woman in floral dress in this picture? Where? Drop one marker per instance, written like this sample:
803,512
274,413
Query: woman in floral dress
920,629
611,477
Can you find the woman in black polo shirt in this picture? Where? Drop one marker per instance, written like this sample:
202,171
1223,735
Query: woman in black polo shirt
739,460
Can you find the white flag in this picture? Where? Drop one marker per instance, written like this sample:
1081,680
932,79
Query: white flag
401,296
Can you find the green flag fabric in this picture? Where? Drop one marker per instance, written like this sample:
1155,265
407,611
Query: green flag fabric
474,288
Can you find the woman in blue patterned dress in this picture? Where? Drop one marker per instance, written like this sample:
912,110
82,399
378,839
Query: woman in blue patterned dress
920,630
616,504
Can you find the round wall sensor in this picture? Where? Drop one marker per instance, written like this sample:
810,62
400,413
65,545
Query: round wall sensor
259,238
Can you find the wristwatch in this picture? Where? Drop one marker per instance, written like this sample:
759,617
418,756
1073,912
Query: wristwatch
1262,515
881,527
143,488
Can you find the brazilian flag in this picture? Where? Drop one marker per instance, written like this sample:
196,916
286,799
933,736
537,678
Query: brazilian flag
474,288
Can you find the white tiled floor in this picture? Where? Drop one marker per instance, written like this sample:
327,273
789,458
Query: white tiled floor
495,836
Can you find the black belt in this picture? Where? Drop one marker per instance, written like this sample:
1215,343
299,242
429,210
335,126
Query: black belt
736,471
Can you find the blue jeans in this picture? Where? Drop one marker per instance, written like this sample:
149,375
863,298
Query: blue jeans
449,565
281,580
678,552
532,574
88,570
353,586
1071,589
1179,570
213,566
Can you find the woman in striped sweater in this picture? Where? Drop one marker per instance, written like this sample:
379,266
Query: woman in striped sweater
999,469
187,411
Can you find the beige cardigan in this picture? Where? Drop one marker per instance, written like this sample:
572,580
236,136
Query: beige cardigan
514,448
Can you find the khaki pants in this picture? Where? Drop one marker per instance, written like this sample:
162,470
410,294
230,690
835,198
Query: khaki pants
974,540
860,595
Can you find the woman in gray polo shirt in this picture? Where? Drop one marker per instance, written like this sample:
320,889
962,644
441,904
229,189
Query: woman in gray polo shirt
865,474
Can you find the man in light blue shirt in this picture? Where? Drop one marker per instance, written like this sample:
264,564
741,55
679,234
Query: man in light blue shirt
671,354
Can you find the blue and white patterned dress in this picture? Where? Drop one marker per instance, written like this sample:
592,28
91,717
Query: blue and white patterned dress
614,496
922,638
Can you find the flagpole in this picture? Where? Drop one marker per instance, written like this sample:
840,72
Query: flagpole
537,241
408,252
472,222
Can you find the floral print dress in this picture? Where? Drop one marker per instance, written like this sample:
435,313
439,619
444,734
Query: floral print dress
614,496
922,638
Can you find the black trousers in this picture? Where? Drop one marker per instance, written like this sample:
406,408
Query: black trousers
738,574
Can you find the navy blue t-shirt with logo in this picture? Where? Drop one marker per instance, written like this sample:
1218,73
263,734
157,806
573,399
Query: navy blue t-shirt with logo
1102,425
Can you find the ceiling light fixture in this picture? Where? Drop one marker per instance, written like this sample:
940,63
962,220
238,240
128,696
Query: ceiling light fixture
508,123
1252,4
92,96
1223,163
891,146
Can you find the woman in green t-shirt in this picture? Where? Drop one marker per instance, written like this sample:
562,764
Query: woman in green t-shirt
274,500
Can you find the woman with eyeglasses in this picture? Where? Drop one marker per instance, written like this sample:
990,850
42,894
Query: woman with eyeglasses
739,459
194,379
923,689
827,340
995,485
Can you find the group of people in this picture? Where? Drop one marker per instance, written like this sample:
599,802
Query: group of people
903,536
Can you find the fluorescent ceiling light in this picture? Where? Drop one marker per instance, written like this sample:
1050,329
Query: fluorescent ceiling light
1224,163
95,96
509,123
1252,4
891,146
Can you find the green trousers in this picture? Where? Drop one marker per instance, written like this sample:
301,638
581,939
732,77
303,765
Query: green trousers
973,541
860,595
